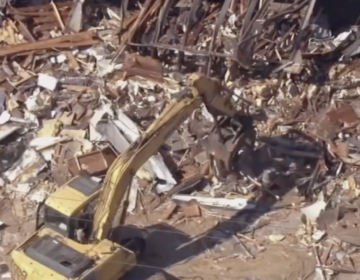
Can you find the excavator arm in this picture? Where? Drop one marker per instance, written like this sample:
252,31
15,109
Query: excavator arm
118,180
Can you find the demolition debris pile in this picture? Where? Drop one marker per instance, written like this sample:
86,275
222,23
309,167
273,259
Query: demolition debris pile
80,81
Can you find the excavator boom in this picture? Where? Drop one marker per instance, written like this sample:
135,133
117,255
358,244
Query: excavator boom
53,252
118,180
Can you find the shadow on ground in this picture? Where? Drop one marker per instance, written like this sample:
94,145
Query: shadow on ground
162,245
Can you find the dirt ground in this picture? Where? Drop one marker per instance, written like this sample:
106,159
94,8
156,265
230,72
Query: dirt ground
217,254
204,247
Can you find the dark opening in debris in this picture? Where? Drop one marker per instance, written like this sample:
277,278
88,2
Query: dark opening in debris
341,15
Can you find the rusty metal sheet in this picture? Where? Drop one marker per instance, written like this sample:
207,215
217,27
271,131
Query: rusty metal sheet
330,122
344,116
143,66
95,163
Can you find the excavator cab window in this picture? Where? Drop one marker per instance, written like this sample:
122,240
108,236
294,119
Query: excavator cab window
66,226
57,221
40,216
69,226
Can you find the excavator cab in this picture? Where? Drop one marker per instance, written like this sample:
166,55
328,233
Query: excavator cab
56,251
71,208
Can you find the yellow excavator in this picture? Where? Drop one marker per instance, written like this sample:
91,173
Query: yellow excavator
56,251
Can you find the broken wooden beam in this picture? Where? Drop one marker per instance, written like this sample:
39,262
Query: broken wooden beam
80,39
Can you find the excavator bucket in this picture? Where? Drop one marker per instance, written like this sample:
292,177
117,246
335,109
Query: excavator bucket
226,140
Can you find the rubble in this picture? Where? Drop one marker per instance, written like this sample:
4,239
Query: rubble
234,204
81,81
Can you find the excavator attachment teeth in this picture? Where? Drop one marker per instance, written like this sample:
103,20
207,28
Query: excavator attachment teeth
225,142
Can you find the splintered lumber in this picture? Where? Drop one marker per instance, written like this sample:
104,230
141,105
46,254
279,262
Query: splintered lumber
80,39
